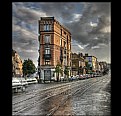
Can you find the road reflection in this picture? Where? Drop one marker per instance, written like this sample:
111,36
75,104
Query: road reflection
47,106
66,109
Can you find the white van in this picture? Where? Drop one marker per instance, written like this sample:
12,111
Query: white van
19,83
23,81
31,80
16,84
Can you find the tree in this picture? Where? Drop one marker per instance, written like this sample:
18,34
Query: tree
66,71
58,70
80,70
28,67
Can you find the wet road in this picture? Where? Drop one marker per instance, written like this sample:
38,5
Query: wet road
91,98
95,101
34,87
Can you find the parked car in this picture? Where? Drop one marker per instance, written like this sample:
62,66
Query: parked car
81,77
61,78
91,75
16,84
23,81
32,80
95,75
74,77
84,76
77,76
70,78
99,75
52,78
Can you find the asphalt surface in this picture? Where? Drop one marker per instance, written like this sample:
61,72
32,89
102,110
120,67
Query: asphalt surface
93,99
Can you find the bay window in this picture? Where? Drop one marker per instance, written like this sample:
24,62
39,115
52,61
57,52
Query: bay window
47,27
47,50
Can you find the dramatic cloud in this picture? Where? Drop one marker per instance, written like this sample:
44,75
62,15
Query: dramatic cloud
89,24
93,13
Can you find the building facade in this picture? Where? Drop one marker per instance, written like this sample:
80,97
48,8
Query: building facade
54,47
16,64
78,64
91,63
98,67
103,66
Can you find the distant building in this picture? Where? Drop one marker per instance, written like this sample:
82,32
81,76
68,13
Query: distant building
16,64
103,66
91,63
109,65
98,67
78,64
54,47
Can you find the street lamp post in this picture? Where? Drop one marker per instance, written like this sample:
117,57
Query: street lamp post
39,71
39,75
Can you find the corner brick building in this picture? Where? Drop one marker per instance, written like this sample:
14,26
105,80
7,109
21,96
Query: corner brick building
54,47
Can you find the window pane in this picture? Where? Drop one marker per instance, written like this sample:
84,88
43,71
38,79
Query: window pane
47,50
47,62
47,27
44,27
47,39
50,27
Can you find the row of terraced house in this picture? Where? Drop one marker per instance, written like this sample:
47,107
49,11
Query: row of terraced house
55,47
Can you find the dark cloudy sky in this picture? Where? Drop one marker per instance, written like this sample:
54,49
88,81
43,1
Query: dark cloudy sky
88,22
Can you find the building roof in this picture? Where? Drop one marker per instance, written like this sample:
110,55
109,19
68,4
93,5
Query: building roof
52,18
91,56
48,18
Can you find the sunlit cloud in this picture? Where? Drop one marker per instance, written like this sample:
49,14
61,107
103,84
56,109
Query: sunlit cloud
80,47
93,24
95,47
88,23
